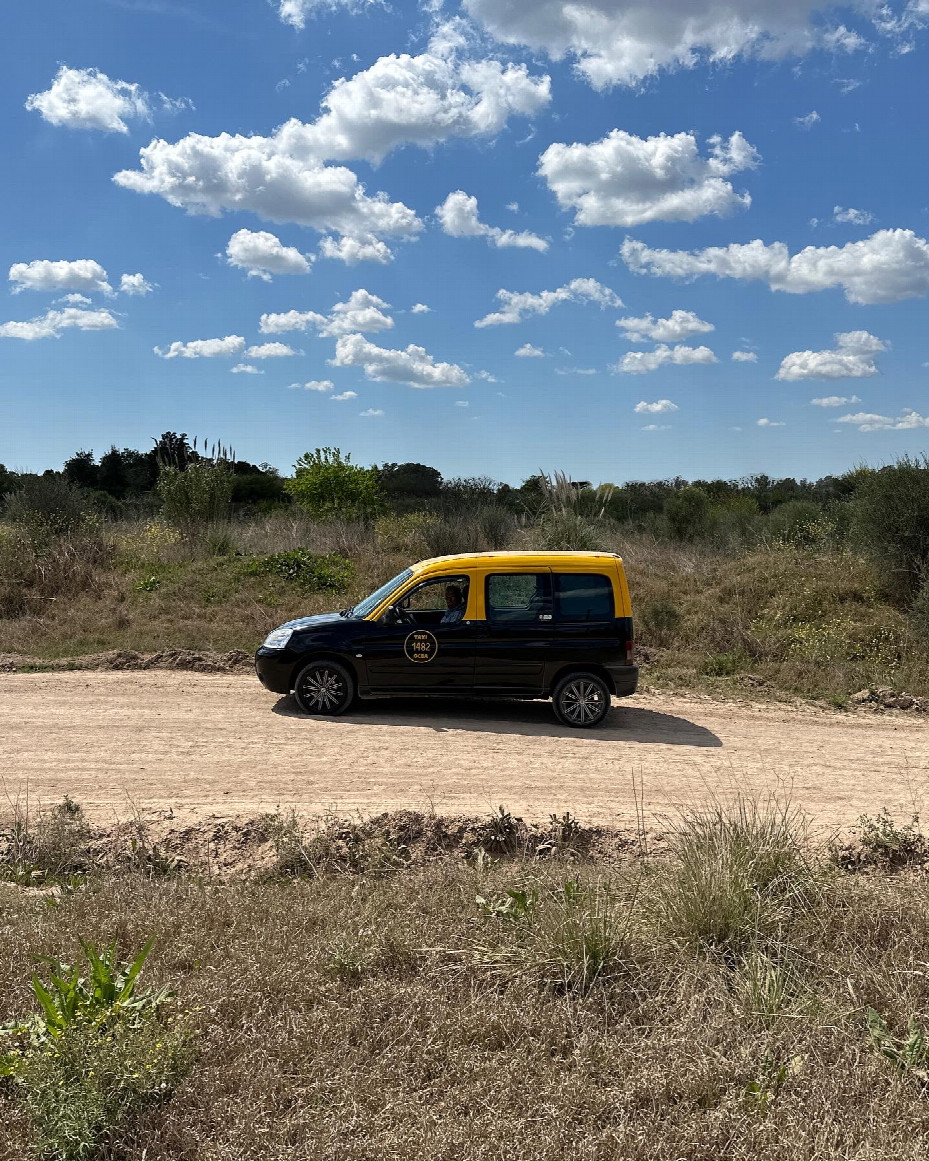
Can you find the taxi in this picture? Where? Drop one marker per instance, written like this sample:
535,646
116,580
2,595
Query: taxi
488,624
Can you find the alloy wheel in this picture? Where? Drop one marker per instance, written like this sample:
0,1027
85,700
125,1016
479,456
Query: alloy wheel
582,702
323,690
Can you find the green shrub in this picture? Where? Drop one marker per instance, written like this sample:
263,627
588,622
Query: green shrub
98,1054
661,619
310,573
48,504
198,493
884,841
890,520
687,513
799,522
908,1054
328,486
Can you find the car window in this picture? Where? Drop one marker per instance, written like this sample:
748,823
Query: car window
514,598
369,604
583,597
430,597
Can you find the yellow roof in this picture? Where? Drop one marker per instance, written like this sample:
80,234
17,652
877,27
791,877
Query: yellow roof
527,559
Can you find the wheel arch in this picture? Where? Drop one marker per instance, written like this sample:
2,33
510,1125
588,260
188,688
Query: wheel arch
322,655
567,670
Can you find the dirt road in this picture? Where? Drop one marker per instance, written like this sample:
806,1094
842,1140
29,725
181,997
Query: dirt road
204,744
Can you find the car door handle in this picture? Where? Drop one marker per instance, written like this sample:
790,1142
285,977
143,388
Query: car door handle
545,616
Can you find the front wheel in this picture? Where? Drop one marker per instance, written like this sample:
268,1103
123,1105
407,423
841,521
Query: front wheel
324,687
581,700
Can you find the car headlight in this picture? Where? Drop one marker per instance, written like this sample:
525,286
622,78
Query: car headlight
277,638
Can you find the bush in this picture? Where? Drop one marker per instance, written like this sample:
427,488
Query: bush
99,1053
196,494
309,572
799,522
328,486
49,504
687,513
661,620
890,520
735,876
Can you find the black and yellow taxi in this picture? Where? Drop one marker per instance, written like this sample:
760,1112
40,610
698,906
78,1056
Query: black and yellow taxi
486,624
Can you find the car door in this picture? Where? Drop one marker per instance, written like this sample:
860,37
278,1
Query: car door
422,654
585,628
515,642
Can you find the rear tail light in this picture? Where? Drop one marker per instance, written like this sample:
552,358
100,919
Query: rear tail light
630,645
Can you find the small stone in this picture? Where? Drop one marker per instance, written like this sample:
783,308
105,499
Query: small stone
861,696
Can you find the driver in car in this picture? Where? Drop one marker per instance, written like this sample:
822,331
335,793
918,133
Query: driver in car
454,600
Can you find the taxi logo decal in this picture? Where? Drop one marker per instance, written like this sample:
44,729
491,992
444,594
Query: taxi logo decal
420,646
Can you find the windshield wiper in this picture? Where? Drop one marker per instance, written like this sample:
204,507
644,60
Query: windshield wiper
346,612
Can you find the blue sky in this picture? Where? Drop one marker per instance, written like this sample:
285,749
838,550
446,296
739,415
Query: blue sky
653,187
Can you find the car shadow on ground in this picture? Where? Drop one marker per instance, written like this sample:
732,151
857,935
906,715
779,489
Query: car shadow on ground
527,718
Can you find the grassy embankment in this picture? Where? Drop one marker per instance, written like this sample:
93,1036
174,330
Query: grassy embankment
740,996
812,621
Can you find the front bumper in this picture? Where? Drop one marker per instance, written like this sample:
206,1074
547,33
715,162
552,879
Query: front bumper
275,667
625,679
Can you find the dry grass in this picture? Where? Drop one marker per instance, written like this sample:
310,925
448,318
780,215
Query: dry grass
514,1008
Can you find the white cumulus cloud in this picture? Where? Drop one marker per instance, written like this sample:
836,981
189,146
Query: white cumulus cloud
344,396
246,369
620,42
852,216
641,362
420,308
888,266
270,351
681,324
657,427
362,312
263,254
370,412
852,358
908,420
204,348
834,400
660,405
459,218
83,275
135,284
321,385
285,177
517,306
51,324
744,357
357,248
528,351
765,422
412,366
624,180
88,99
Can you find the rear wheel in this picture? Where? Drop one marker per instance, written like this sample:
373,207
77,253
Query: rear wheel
324,687
581,700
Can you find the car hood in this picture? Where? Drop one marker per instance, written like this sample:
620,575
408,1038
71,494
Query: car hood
317,621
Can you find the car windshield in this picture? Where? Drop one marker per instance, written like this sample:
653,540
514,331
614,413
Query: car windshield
369,604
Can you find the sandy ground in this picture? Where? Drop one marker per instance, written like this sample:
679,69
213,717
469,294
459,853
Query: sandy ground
206,744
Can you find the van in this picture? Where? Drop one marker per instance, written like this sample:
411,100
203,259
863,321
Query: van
488,624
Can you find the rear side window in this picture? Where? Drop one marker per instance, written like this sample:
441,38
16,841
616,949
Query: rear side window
583,597
517,598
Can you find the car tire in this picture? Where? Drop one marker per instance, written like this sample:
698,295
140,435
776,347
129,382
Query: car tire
324,688
581,700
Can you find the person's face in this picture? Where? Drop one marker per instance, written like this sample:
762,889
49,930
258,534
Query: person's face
452,600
